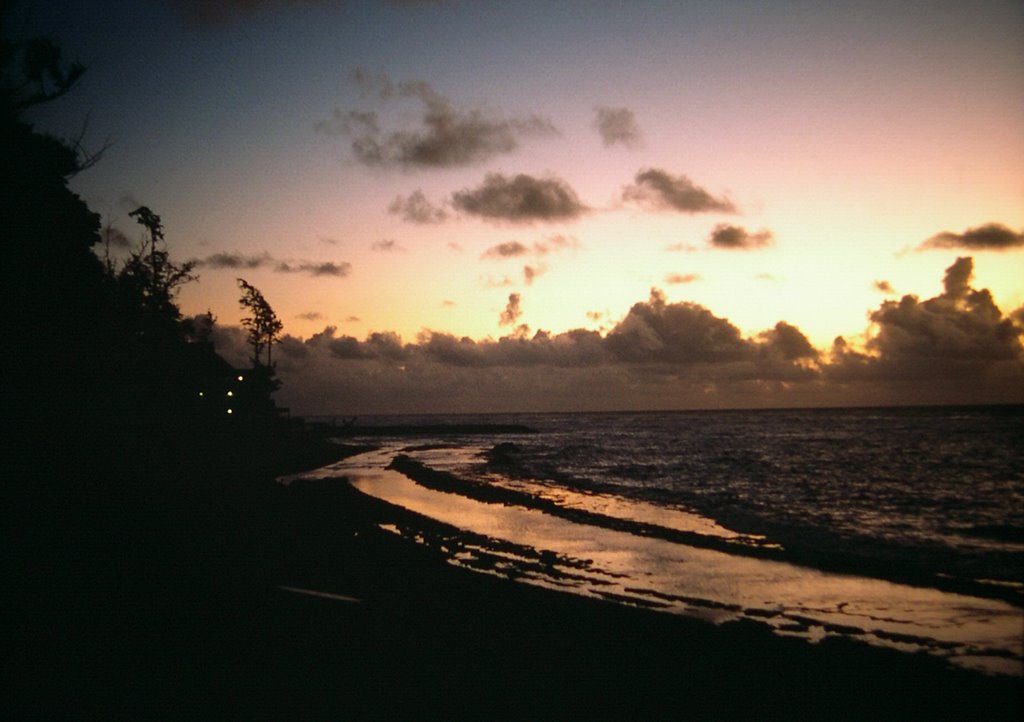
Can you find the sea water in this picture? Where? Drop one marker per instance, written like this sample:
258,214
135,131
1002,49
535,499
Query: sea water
903,527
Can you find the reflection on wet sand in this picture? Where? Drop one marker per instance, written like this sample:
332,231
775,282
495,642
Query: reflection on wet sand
538,548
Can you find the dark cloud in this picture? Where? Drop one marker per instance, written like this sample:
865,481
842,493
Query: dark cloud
512,310
958,336
655,188
787,342
447,137
617,126
677,278
991,236
386,245
236,261
883,287
417,209
677,333
508,249
310,316
738,238
327,268
522,199
954,348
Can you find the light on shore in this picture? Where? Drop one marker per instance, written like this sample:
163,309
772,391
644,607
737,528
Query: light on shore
230,411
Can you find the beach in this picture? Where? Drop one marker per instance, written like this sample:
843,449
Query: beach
252,616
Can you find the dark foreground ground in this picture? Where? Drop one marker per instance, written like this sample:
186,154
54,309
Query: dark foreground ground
167,604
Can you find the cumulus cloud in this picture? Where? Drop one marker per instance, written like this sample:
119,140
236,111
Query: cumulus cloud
659,190
883,287
738,238
787,342
512,311
417,209
955,348
991,237
678,278
237,261
521,199
617,126
446,137
958,336
657,331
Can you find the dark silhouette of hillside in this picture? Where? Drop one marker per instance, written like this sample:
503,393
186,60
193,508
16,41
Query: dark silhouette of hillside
139,463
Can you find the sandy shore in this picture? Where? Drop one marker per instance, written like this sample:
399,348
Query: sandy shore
206,628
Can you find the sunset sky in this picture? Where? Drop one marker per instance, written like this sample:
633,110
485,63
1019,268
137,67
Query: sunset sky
480,205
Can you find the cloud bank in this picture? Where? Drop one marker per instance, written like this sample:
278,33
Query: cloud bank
957,347
240,261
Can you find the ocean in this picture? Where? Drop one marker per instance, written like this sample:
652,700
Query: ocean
898,527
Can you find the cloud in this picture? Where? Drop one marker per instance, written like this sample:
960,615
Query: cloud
677,278
386,245
521,199
508,249
738,238
883,287
310,316
656,331
327,268
656,189
512,310
234,261
238,261
957,347
417,209
787,342
445,138
990,237
530,273
959,336
681,247
617,126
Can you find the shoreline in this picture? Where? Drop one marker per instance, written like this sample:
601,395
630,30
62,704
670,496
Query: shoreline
201,627
523,649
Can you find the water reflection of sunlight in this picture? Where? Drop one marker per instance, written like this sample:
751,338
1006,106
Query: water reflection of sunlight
705,583
632,510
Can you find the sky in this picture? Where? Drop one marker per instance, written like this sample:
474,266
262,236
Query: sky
487,205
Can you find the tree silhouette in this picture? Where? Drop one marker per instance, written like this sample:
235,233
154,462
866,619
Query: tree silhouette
262,324
149,271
